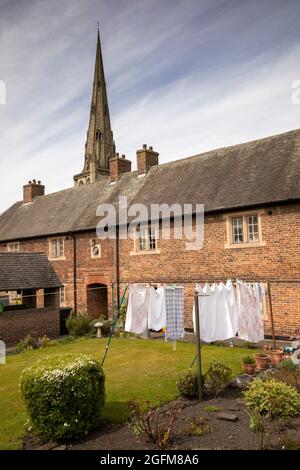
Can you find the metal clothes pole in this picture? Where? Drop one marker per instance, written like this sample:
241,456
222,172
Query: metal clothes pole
112,303
198,346
271,315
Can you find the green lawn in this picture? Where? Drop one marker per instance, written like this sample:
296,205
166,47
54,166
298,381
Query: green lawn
137,368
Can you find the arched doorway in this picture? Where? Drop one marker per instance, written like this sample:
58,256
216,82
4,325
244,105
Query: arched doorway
97,301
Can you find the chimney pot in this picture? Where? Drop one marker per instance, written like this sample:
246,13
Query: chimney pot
151,148
123,156
39,182
145,146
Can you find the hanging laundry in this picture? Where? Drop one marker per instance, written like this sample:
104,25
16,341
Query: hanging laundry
137,309
217,312
157,312
174,312
250,323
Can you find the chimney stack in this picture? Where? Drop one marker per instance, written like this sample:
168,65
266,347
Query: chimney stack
32,190
146,158
118,166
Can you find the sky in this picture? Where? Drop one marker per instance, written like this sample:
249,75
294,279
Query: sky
184,76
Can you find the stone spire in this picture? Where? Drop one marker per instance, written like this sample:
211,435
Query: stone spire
99,147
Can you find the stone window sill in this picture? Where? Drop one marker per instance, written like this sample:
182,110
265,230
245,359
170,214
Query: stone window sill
145,252
244,245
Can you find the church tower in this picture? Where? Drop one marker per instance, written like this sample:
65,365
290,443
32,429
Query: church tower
100,146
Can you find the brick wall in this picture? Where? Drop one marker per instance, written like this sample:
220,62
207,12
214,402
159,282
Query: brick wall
16,324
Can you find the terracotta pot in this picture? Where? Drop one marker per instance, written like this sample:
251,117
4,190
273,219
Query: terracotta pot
262,362
249,368
275,357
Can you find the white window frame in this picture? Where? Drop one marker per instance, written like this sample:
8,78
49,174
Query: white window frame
246,241
62,295
59,252
13,247
146,240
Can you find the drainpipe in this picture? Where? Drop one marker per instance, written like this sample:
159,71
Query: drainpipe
74,272
118,266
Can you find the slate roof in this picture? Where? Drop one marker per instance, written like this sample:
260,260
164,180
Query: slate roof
26,271
259,172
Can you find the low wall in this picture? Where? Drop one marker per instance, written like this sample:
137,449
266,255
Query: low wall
16,324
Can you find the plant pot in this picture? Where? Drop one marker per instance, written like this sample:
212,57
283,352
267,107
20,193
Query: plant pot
249,369
275,356
262,362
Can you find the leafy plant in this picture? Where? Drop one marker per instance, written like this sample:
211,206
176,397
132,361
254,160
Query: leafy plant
155,424
288,364
107,325
212,408
272,399
261,425
197,427
44,341
28,343
248,360
79,326
217,377
187,385
286,375
64,395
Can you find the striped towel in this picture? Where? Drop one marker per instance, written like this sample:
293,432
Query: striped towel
175,313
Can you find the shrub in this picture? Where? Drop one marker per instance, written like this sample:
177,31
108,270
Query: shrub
28,343
288,376
64,395
106,328
217,377
288,364
273,399
187,385
248,360
44,341
79,326
156,425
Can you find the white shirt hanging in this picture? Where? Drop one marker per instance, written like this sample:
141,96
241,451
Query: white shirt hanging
157,311
137,309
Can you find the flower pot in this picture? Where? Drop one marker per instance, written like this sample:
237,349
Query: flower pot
275,356
262,361
249,368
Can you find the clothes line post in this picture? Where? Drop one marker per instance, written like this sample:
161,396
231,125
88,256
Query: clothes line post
271,315
198,346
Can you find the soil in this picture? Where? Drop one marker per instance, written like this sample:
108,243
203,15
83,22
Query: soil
210,432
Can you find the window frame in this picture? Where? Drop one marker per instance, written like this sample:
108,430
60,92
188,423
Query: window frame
149,241
13,244
58,253
62,295
245,216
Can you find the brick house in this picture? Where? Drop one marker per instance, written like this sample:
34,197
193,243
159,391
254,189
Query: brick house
31,279
251,195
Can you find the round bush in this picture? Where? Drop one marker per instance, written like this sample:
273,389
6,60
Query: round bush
187,385
273,399
64,395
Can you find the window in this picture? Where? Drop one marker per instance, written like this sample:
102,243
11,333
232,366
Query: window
13,247
244,230
57,248
62,294
237,230
147,239
252,228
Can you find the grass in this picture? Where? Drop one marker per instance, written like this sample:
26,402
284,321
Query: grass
134,368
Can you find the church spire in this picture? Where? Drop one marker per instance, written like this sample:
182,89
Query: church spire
99,147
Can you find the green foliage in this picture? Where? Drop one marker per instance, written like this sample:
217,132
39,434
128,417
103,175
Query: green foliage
106,328
154,424
28,343
187,385
64,395
288,376
261,425
288,364
66,340
272,398
79,326
248,360
197,427
217,377
212,408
